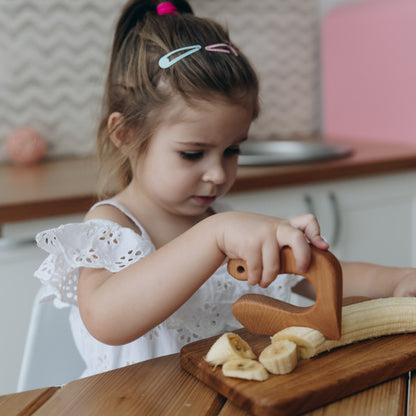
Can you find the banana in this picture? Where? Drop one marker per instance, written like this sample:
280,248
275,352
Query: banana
308,340
369,319
280,357
227,347
245,368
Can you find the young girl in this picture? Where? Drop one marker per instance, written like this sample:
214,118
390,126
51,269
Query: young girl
145,272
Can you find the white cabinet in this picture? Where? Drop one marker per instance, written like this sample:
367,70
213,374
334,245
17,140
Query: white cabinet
369,219
19,258
17,291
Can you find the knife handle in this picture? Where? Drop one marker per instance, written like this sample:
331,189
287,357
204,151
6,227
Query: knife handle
237,268
264,315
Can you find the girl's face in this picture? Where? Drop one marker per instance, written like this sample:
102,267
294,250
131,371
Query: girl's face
192,158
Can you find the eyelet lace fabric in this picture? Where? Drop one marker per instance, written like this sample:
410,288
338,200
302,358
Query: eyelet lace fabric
105,244
96,244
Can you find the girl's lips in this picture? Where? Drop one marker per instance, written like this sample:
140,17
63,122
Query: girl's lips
204,200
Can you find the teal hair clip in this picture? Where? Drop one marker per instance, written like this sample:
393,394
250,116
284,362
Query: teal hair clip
166,62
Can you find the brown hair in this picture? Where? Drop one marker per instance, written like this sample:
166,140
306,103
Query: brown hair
139,89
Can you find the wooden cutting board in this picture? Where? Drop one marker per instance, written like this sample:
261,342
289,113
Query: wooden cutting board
315,382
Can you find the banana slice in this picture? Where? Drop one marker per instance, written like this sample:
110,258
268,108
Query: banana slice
280,357
227,347
308,340
246,369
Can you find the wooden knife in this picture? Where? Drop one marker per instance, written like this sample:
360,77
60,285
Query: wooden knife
261,314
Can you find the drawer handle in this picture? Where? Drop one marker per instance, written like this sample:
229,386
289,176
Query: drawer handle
337,219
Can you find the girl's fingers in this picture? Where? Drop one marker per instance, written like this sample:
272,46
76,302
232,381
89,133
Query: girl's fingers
309,225
254,268
271,262
288,235
263,268
264,236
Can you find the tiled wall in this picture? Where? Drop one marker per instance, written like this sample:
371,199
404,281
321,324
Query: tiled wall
281,38
52,60
53,56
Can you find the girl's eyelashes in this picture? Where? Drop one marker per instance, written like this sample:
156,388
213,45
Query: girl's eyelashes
232,151
229,152
191,155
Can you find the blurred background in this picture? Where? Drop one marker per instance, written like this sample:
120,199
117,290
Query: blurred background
53,60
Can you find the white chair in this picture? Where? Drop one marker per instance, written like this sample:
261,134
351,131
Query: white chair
50,356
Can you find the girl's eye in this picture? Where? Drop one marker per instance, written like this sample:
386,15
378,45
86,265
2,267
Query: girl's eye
191,155
232,151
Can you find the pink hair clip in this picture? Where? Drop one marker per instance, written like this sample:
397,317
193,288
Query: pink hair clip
166,8
219,47
178,54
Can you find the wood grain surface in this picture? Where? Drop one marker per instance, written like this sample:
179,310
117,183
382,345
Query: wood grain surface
160,387
388,398
25,403
315,382
150,388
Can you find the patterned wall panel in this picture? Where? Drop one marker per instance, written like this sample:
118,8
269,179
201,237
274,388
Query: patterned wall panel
53,58
281,39
53,55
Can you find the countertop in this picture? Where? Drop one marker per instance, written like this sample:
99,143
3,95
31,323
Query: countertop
161,387
67,186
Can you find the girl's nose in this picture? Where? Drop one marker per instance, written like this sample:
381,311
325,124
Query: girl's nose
215,174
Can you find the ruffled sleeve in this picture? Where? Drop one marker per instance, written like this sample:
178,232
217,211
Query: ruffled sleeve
95,244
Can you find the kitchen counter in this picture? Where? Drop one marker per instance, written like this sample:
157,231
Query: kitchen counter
67,186
161,387
367,159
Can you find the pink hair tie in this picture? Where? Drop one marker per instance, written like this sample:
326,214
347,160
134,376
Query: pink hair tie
166,8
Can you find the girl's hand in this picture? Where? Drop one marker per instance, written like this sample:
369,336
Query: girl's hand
257,239
407,284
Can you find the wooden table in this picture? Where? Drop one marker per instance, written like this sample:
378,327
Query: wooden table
160,387
67,186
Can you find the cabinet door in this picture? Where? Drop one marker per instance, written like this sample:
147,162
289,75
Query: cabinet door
369,219
19,258
18,288
289,202
283,203
374,218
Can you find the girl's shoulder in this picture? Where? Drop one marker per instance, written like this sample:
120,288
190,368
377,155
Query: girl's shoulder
112,210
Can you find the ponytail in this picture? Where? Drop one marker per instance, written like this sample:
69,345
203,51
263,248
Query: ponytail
135,11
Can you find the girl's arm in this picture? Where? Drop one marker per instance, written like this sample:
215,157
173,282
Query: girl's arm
374,281
119,307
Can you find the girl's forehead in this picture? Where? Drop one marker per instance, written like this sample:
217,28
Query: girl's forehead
208,123
182,109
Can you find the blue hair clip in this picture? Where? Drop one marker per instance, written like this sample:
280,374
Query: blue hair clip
165,62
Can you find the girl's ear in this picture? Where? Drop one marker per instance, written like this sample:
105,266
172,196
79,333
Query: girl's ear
116,129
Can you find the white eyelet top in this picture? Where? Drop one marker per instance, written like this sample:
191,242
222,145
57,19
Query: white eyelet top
105,244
